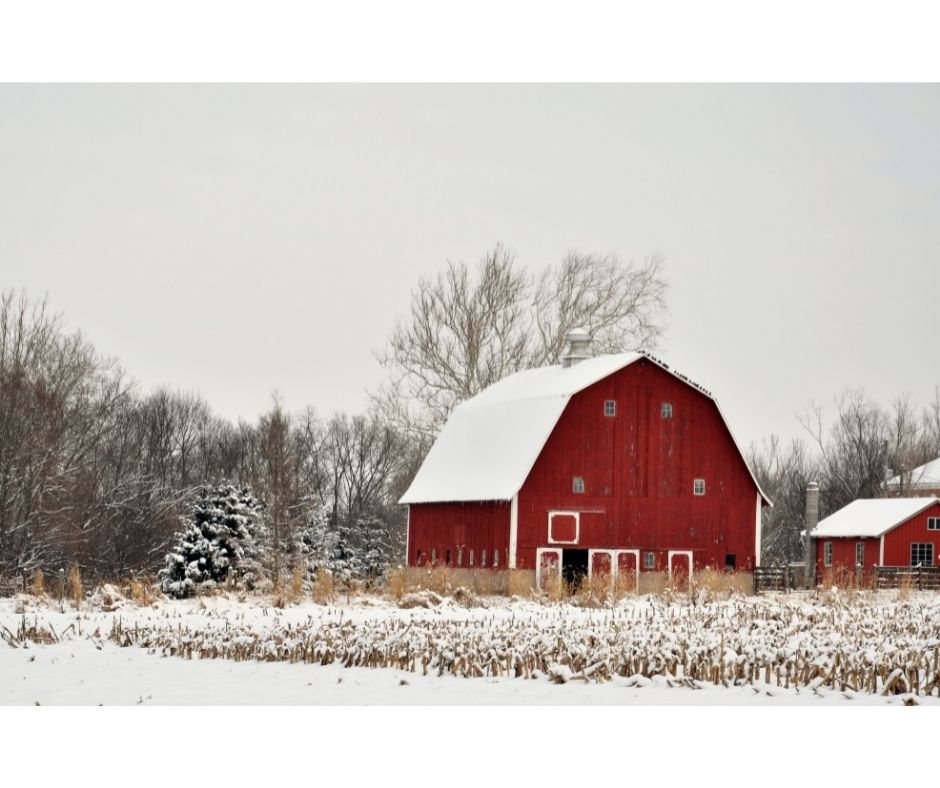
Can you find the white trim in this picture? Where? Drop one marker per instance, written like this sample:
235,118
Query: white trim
669,556
592,552
577,525
881,552
636,559
539,551
408,537
513,531
758,533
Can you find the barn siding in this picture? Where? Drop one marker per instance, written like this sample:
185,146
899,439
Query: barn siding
843,553
449,526
898,541
638,471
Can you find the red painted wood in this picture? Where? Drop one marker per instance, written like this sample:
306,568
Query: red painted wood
638,471
450,526
898,541
843,554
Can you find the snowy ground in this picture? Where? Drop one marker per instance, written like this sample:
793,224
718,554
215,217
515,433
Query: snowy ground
88,666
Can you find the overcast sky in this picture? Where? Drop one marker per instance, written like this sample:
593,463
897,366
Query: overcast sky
236,240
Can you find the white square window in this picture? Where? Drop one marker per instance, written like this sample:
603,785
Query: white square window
577,484
933,523
827,553
649,560
610,407
698,487
665,410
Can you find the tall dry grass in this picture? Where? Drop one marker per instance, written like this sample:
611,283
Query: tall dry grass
38,585
324,587
75,591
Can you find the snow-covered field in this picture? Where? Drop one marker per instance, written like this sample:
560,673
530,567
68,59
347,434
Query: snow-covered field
218,650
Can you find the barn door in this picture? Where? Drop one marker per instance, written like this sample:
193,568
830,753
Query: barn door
680,568
600,562
547,567
628,570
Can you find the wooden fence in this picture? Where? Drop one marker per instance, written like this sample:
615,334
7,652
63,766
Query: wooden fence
920,578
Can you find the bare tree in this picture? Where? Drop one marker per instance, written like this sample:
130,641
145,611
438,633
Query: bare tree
467,328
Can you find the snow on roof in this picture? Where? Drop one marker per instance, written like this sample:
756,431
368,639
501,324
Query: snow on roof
869,517
927,476
491,441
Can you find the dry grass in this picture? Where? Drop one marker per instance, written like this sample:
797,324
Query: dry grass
520,582
38,584
76,593
722,583
905,587
396,584
324,587
141,591
297,582
598,590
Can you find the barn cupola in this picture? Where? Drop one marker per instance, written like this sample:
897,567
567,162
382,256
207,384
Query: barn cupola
578,347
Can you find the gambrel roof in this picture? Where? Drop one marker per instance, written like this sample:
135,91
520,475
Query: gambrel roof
491,441
870,517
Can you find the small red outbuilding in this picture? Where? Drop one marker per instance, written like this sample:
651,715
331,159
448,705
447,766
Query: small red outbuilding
874,532
612,463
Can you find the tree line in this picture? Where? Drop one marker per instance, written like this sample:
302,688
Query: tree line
97,474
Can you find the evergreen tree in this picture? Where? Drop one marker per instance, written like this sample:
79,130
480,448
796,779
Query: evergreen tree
222,540
376,541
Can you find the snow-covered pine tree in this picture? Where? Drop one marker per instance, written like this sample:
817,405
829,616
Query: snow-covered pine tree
318,541
376,545
222,540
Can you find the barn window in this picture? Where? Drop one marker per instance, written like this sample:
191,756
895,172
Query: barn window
649,560
698,487
610,407
731,561
827,553
483,558
921,554
577,484
933,523
859,554
665,410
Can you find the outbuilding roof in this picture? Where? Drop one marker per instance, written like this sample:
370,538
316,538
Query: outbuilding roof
925,477
870,517
491,441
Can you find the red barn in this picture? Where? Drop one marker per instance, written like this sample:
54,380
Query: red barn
614,464
874,532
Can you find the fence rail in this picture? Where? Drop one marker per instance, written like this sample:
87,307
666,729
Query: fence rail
922,578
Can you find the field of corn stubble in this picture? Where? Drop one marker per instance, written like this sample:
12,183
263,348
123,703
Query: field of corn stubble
858,643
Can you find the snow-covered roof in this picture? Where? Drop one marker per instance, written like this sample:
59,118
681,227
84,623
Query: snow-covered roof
925,477
870,517
491,441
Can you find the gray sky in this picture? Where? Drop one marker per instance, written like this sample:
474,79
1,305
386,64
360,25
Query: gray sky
235,240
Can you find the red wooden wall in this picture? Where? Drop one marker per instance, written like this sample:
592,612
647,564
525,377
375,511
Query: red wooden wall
898,541
843,554
638,471
440,527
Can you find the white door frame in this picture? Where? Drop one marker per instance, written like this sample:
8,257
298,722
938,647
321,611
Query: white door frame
635,552
613,567
671,553
539,551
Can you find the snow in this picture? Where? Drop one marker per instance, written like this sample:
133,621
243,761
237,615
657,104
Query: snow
491,441
870,517
926,476
87,664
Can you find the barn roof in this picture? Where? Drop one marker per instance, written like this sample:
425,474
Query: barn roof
926,476
870,517
491,441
